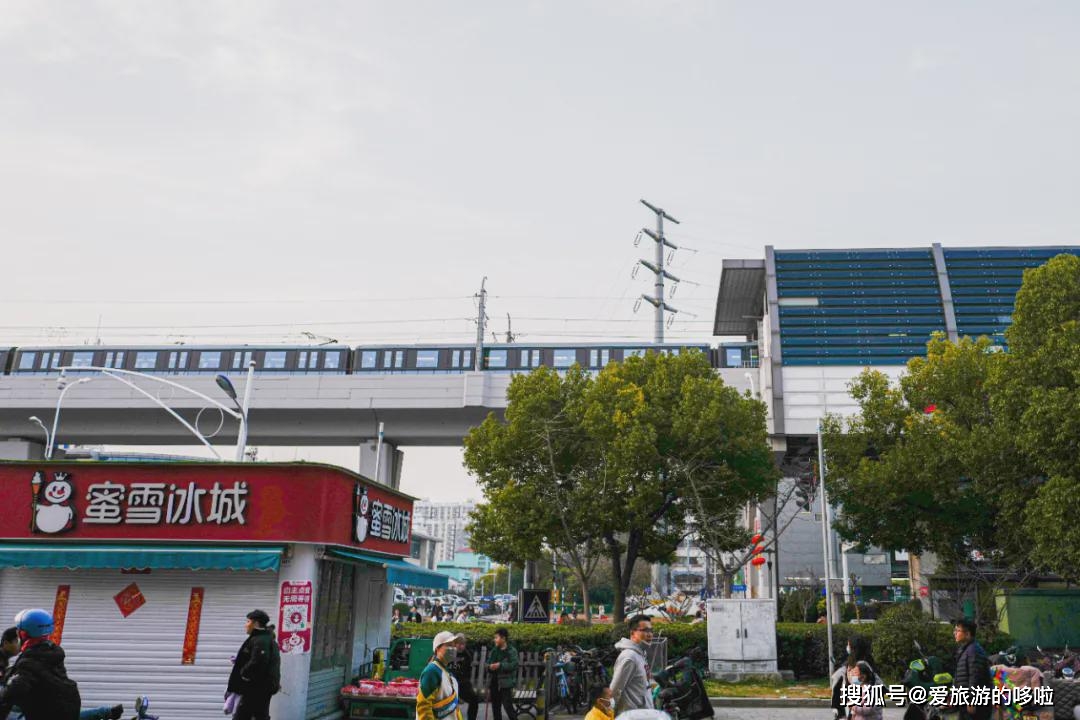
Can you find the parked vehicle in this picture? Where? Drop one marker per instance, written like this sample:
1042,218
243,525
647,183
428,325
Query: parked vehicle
924,673
680,691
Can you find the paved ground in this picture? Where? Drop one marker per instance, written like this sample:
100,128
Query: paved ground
822,713
790,713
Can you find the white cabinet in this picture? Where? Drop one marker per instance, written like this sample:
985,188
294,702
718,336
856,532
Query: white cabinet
742,637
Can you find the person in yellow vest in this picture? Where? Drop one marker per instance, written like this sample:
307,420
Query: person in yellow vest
437,698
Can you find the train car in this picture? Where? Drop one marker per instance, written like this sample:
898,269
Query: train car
340,359
415,359
185,359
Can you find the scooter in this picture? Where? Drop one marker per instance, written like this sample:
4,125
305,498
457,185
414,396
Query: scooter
680,692
924,673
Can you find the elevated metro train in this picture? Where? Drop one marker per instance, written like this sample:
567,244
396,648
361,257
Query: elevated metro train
345,360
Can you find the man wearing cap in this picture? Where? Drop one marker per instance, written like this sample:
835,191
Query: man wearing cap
256,674
437,698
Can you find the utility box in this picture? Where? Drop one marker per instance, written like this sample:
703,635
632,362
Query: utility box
742,638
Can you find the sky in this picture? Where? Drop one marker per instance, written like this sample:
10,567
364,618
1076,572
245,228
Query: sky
253,171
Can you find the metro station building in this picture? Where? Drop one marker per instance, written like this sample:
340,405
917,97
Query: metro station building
820,318
151,568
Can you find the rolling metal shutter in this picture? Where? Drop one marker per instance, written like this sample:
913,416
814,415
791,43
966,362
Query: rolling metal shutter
114,659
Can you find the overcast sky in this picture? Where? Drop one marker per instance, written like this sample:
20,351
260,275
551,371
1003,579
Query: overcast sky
249,171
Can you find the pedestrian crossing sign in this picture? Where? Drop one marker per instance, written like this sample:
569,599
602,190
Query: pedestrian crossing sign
535,606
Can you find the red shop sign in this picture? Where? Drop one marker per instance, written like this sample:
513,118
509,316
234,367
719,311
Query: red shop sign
255,502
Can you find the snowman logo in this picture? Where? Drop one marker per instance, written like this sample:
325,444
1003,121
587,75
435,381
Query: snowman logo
293,643
53,512
363,505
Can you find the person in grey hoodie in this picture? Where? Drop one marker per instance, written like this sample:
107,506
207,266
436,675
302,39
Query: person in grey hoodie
630,678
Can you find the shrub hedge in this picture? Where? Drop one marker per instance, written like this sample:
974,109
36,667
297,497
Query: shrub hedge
801,647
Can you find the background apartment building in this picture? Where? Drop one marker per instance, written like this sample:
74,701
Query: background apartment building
444,521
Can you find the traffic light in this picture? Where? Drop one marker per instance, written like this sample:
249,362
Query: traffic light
806,488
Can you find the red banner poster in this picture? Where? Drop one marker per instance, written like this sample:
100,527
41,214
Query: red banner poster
191,634
294,617
60,605
129,599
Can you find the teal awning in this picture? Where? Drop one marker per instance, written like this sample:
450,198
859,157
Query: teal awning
398,572
166,557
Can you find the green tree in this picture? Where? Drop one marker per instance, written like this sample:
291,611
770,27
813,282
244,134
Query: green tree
972,453
535,495
1038,393
585,464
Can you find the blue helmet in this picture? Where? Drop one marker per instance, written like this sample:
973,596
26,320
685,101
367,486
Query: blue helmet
35,622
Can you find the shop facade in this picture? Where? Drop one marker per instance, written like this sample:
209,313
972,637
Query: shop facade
150,569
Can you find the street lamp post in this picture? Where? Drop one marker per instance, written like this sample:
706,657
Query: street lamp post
37,421
64,387
750,376
827,545
121,376
225,384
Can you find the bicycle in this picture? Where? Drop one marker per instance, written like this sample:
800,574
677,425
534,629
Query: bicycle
566,688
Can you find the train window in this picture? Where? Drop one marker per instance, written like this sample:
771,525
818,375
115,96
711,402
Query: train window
399,358
564,357
26,362
732,357
178,360
427,358
455,359
45,359
368,359
301,361
82,359
599,358
238,358
331,361
275,360
466,359
523,360
209,360
388,358
114,360
496,359
634,352
145,360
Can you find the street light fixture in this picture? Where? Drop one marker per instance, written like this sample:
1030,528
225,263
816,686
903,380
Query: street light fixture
37,421
64,386
121,376
750,376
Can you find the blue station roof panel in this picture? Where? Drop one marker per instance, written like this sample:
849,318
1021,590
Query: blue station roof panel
984,282
857,307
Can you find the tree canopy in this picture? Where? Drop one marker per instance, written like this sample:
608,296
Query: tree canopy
600,465
973,452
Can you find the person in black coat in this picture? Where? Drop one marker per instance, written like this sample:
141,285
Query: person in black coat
9,648
38,683
972,668
256,674
462,670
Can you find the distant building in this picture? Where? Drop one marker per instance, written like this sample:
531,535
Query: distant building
444,521
467,566
424,550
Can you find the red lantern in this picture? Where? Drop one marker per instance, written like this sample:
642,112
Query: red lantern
757,551
929,409
755,539
759,560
